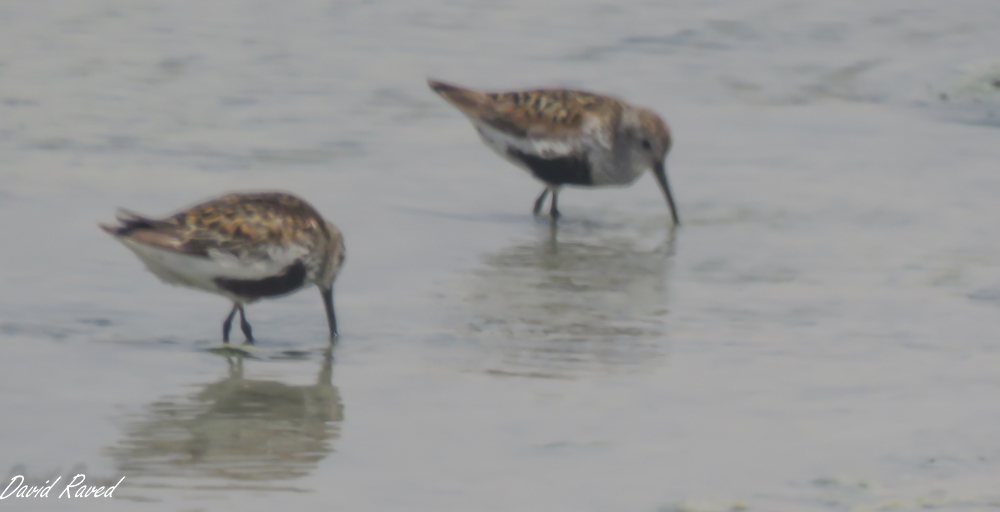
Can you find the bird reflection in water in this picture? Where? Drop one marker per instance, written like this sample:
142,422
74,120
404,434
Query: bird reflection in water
235,429
583,301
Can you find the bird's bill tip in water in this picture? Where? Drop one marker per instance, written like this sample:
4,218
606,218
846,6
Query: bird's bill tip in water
660,171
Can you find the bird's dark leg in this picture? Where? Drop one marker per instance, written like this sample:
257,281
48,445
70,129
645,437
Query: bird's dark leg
228,323
331,319
245,325
554,211
541,201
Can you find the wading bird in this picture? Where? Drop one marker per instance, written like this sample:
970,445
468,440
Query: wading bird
568,137
244,246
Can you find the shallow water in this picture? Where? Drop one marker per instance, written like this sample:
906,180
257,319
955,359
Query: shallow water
820,334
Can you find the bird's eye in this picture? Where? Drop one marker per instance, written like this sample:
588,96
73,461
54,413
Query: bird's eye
646,144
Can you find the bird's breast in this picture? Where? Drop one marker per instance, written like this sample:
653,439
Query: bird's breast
606,172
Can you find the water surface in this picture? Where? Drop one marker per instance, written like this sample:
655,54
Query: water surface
820,334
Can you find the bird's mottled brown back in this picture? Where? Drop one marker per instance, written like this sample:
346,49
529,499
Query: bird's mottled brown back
538,113
241,222
553,110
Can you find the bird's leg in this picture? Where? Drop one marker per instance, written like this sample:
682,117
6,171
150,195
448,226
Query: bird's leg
245,325
541,201
554,211
228,323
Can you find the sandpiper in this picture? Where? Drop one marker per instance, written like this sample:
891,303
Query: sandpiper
245,246
568,137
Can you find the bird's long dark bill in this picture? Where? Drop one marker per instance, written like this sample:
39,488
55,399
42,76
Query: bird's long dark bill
661,176
330,317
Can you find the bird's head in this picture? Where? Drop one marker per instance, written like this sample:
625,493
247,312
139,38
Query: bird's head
649,149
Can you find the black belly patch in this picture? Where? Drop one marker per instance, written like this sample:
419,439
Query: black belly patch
288,281
564,170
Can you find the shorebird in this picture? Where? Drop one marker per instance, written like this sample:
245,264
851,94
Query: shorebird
244,246
568,137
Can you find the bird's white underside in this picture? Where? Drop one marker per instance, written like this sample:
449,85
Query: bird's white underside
501,141
199,272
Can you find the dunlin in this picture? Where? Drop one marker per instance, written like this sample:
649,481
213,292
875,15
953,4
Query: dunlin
568,137
244,246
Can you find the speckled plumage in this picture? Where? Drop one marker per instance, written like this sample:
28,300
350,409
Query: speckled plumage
568,137
245,246
542,112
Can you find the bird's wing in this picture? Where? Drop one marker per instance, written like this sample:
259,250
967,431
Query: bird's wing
541,114
236,236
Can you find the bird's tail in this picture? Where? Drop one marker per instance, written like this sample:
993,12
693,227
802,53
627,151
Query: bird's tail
129,222
465,99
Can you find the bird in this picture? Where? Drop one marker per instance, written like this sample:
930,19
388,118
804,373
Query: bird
568,137
245,246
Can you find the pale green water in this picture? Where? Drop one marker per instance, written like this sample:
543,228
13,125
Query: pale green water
820,334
